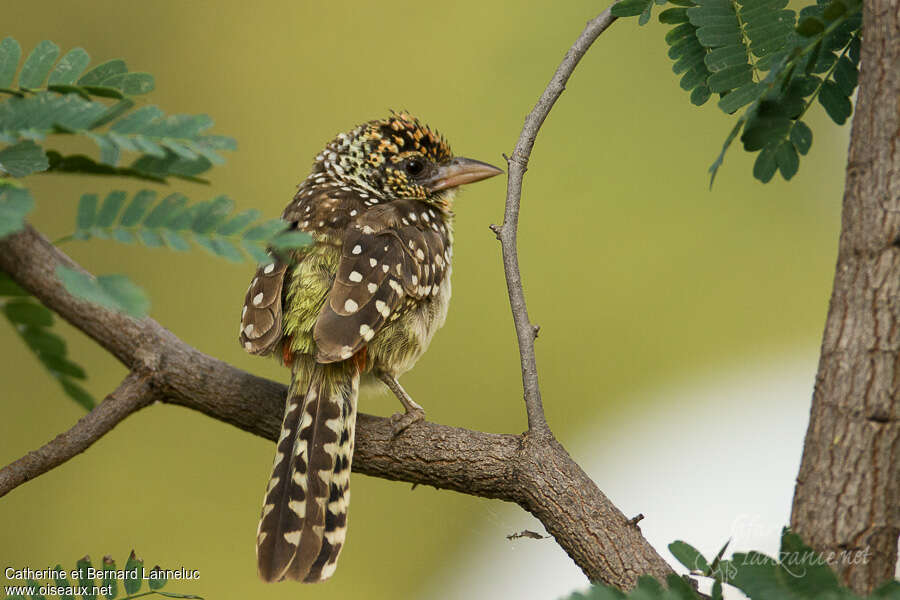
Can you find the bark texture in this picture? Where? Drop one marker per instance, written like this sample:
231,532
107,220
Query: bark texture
847,499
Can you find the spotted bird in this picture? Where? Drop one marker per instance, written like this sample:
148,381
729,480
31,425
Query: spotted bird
363,300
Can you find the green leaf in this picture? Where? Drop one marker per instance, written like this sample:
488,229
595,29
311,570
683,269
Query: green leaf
23,158
15,203
291,239
765,165
157,578
888,591
60,365
26,312
693,78
266,230
45,342
69,67
680,33
103,91
103,71
801,136
62,582
804,572
722,58
679,588
765,130
212,214
34,585
673,16
83,580
10,53
238,222
135,565
87,211
256,251
700,95
131,84
855,50
787,159
730,78
8,287
836,103
689,556
630,8
172,164
810,26
77,393
113,112
109,578
645,16
846,75
110,209
137,208
38,65
742,96
115,292
85,165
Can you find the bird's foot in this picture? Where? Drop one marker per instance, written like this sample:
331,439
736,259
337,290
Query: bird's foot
401,421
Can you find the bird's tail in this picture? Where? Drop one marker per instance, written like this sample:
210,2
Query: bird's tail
304,516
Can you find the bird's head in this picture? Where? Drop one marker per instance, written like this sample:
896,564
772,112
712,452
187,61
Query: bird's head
399,158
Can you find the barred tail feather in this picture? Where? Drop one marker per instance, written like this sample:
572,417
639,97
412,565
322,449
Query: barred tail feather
304,517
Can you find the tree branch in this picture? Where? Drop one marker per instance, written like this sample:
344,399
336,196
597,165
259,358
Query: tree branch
537,475
506,233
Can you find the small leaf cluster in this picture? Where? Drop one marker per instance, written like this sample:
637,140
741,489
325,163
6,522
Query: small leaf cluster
799,573
110,79
759,55
51,96
173,221
34,323
113,582
170,222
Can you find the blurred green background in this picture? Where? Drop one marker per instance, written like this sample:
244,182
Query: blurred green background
635,271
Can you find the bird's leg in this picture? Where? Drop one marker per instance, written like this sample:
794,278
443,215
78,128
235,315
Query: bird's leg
414,412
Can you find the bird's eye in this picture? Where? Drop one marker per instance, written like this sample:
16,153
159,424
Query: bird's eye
414,166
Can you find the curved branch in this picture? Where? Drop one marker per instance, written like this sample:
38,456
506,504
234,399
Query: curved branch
537,475
506,233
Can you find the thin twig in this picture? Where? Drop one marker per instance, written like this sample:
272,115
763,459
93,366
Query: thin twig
134,393
506,233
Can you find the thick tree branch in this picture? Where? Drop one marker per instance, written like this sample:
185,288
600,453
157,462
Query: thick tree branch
536,474
847,499
506,233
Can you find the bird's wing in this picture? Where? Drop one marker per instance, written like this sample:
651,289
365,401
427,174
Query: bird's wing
322,210
394,257
261,314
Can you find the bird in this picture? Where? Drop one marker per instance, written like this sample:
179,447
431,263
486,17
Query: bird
362,301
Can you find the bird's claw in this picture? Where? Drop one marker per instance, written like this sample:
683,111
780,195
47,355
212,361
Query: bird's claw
401,421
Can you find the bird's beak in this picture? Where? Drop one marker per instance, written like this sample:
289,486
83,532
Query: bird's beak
459,171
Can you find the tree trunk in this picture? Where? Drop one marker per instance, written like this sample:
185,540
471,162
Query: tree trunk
847,499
